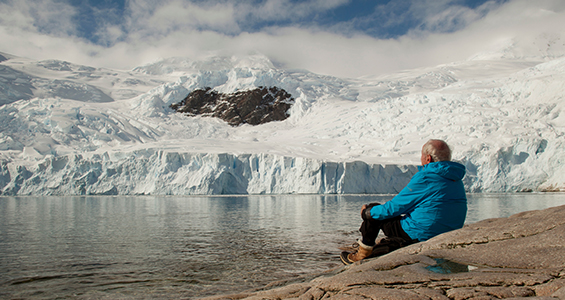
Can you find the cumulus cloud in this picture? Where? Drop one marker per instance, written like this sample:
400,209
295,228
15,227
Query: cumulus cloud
442,16
43,16
148,18
143,31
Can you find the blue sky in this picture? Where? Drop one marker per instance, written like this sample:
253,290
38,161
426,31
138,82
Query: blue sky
376,18
336,37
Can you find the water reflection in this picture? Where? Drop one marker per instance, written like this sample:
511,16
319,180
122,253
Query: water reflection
174,247
486,206
444,266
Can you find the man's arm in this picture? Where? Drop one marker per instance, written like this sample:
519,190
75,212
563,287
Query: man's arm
404,202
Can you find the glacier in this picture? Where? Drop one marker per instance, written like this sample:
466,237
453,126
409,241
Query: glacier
67,129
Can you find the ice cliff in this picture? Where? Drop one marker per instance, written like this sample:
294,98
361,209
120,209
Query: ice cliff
67,129
173,173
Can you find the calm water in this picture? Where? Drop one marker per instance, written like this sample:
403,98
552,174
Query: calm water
186,247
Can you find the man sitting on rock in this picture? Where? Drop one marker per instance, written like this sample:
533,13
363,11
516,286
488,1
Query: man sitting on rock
432,203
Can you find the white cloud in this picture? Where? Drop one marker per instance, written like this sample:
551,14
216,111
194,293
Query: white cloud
443,16
180,28
46,16
177,15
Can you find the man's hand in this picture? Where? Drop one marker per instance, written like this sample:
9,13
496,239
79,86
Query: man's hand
366,210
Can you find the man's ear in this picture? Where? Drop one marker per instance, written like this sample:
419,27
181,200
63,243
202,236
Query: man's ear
429,159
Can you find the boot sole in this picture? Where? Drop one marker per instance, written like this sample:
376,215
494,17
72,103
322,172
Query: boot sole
344,259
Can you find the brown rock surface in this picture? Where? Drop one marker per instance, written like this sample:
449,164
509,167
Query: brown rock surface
522,256
254,107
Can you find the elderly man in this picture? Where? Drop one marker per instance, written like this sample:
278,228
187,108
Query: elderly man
432,203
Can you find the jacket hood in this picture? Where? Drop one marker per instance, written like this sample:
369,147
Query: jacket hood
447,169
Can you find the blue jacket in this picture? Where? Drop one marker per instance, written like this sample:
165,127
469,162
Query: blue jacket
432,203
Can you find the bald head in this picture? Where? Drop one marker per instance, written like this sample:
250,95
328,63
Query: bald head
434,151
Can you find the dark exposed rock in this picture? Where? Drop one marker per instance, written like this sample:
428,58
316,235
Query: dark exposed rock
253,107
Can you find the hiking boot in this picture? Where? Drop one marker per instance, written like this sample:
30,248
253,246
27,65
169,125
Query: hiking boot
363,252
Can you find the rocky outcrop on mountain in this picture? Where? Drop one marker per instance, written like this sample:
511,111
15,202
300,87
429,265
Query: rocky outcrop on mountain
516,257
253,107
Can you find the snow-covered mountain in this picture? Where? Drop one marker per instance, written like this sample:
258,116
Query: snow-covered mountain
70,129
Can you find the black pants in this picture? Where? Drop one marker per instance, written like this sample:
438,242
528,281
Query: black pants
391,228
